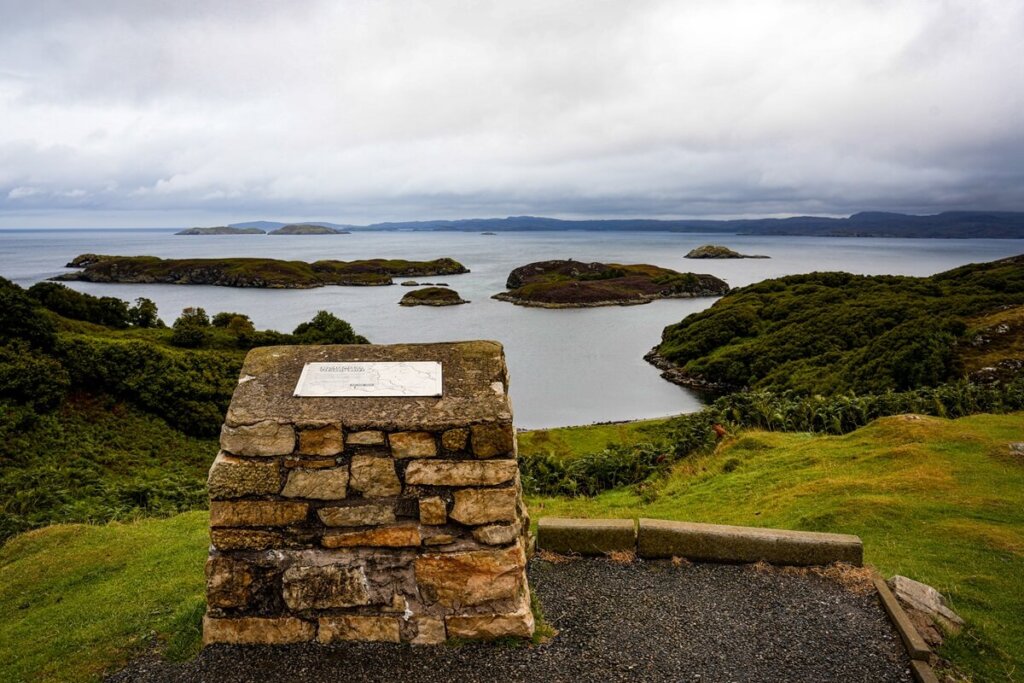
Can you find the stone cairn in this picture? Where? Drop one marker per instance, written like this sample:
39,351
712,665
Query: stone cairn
391,519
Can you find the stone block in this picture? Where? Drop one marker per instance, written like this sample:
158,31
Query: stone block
496,534
266,438
257,630
374,477
413,445
490,440
357,515
256,513
586,536
370,437
480,506
324,587
321,484
455,440
383,537
719,543
250,539
232,477
325,440
471,578
228,582
461,472
433,511
362,628
518,624
429,631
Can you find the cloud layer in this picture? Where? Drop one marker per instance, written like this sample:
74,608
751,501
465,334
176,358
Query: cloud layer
146,112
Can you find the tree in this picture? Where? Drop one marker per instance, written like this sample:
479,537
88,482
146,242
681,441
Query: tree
144,313
190,329
327,328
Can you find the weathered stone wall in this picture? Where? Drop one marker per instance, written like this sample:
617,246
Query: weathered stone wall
384,519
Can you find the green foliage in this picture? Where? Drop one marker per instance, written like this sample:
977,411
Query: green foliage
189,330
827,333
20,320
327,328
224,319
106,310
144,314
96,460
31,378
188,388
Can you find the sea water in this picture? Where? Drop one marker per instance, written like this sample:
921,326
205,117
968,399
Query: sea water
568,366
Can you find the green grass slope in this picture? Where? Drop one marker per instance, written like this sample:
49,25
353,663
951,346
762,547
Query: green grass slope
77,600
938,500
941,501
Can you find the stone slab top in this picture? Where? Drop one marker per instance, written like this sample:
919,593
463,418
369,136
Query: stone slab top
762,533
475,387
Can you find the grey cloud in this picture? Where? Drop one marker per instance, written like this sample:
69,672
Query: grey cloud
366,111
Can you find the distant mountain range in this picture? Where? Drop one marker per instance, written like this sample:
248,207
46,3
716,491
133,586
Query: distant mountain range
951,224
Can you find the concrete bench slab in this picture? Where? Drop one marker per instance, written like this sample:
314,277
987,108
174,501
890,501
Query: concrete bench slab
586,536
719,543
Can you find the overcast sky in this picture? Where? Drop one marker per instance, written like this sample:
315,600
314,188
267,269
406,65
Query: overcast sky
134,112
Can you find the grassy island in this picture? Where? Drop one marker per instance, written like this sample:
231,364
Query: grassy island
718,251
252,272
823,333
432,296
221,230
573,284
307,229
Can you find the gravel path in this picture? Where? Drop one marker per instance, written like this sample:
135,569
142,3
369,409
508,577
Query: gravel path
648,621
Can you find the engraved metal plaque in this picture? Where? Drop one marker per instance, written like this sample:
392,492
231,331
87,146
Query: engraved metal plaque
417,378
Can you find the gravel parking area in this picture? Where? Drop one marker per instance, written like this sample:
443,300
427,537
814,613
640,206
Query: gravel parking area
645,621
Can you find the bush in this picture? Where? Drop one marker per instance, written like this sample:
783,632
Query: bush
106,310
144,314
190,329
326,328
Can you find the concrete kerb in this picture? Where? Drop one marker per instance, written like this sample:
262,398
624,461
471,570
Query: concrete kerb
656,538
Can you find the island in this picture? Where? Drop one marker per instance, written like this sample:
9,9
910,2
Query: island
718,251
574,284
221,230
252,272
432,296
307,229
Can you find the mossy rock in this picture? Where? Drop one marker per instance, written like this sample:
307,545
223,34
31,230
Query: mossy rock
718,251
432,296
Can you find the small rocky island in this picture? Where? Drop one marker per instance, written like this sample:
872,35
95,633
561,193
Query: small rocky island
222,230
432,296
573,284
718,251
307,229
252,272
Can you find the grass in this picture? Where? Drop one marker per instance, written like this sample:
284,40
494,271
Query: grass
572,442
77,600
938,500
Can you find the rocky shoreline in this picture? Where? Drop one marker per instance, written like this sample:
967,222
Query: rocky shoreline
681,377
252,272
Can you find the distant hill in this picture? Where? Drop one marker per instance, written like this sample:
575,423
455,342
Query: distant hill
276,225
949,224
307,229
222,230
